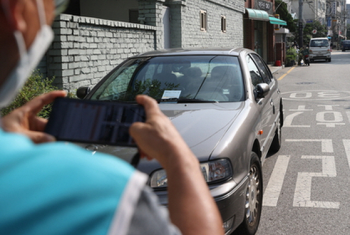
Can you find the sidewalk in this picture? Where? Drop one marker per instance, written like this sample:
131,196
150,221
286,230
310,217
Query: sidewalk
275,69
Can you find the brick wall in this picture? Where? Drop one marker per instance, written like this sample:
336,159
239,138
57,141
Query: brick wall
86,49
189,24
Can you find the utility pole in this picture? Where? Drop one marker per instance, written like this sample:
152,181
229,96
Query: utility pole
300,23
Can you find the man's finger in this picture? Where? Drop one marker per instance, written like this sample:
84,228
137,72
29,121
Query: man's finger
36,104
39,137
39,124
150,104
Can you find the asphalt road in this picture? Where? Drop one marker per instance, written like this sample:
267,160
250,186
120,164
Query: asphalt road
307,183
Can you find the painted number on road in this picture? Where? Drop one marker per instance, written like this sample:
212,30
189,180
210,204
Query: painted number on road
302,194
315,95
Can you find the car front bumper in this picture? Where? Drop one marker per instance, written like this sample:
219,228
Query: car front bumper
230,198
231,203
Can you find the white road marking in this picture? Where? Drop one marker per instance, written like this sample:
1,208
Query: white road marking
346,144
327,107
289,119
348,114
315,95
326,144
302,195
337,118
301,108
274,186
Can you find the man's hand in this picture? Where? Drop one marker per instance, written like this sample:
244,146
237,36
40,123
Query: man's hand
191,207
24,120
157,137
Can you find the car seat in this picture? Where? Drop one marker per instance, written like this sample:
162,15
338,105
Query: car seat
167,79
226,80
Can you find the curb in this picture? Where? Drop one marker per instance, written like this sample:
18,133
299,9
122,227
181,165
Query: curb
275,69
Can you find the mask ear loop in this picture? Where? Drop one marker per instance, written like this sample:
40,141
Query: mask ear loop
18,36
41,11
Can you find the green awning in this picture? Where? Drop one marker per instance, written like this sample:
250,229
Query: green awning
257,14
274,20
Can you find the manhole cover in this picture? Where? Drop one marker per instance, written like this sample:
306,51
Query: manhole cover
306,83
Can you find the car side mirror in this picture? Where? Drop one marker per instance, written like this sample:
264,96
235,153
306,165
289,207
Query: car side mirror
261,90
82,92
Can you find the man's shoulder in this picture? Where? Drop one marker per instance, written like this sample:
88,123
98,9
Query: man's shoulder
18,150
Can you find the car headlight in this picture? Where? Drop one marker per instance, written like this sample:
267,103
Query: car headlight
212,171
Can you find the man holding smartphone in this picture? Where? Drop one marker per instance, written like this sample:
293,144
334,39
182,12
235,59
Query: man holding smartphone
47,187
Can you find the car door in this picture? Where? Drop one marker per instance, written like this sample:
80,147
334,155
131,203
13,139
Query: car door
267,104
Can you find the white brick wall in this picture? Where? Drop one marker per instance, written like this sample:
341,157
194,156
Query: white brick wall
186,24
86,49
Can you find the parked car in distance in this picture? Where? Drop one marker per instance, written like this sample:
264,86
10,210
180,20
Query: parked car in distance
227,106
320,49
345,45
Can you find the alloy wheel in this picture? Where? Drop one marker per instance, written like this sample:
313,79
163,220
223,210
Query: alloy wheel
253,203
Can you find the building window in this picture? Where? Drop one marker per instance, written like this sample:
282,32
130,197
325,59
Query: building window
203,18
134,16
223,24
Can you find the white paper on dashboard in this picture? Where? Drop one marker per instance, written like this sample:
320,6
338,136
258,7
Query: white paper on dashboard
170,94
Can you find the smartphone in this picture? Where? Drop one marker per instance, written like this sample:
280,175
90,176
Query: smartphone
90,121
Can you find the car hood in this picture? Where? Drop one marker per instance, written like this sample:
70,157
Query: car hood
202,125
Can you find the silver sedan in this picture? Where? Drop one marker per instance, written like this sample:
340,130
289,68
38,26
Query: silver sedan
226,104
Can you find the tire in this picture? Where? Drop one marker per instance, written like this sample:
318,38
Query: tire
330,59
277,139
254,197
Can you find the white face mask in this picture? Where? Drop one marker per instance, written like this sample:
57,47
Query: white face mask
28,59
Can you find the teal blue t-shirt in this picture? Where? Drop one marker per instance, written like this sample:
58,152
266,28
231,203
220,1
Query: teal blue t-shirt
59,188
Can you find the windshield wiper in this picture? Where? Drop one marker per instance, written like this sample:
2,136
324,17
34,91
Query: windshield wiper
185,100
196,101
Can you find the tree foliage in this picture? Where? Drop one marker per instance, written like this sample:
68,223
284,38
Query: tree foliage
321,31
34,86
285,15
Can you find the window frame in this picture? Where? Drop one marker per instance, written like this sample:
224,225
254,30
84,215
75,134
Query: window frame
223,24
249,56
264,70
203,17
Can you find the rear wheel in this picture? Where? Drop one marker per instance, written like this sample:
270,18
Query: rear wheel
253,204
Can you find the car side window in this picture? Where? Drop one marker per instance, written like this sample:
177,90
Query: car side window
254,71
265,72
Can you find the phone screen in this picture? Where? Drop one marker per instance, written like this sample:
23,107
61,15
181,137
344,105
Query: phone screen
99,122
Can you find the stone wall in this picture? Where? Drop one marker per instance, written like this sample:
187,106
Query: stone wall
85,49
187,20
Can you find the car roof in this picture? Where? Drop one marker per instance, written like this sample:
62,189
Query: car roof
194,51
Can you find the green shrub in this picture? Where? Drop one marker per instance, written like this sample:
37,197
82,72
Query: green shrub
291,55
34,86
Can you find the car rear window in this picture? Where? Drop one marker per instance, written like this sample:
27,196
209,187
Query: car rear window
319,43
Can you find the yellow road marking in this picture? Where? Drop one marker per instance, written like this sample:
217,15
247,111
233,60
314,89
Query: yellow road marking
286,73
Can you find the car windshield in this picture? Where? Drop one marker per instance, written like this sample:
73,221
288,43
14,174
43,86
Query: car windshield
319,43
175,79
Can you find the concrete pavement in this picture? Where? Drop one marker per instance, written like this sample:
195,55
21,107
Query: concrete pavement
275,69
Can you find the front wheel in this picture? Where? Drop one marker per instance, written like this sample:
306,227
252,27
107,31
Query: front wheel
254,197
